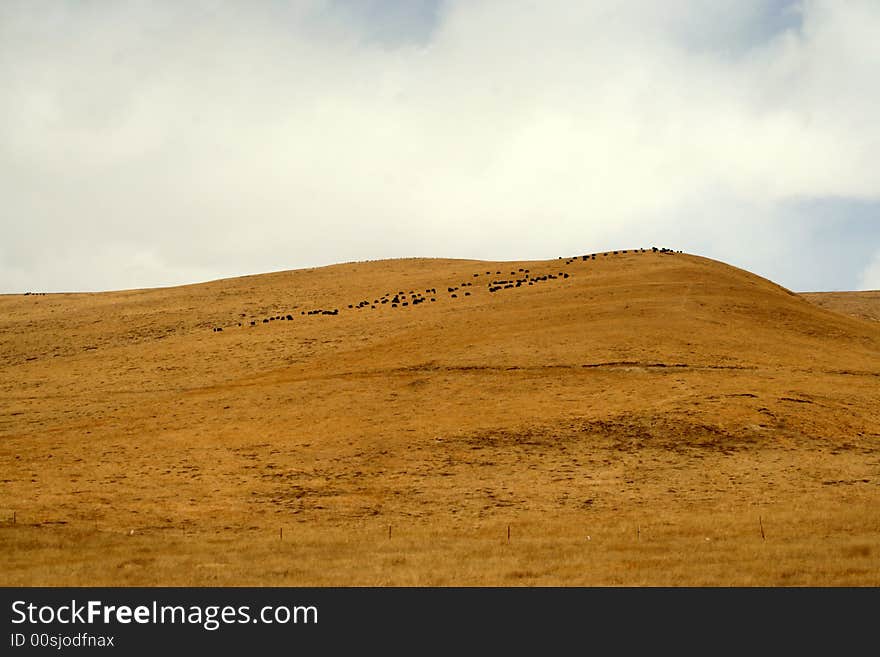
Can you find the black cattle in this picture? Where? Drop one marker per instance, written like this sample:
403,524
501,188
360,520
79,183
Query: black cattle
433,299
265,321
467,294
455,296
394,305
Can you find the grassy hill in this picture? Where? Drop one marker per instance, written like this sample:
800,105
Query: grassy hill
630,418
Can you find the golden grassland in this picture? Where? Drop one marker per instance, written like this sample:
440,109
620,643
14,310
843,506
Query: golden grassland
864,305
650,419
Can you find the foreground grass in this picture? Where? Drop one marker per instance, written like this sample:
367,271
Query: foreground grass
827,547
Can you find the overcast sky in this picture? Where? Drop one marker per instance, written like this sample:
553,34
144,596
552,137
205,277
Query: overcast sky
158,143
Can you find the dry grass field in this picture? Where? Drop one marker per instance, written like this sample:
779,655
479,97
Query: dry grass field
638,418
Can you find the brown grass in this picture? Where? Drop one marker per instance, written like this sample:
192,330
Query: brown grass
864,305
659,404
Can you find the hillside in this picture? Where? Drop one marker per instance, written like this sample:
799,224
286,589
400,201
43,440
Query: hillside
663,404
863,305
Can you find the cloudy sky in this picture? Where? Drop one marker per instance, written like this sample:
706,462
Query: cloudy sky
149,143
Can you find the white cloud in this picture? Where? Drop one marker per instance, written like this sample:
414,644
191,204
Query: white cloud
223,138
871,275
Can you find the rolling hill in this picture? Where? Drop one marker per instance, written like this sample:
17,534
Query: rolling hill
637,417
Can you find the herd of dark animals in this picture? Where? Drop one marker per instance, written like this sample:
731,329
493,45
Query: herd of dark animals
401,299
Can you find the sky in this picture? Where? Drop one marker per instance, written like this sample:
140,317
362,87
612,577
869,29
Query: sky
150,143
